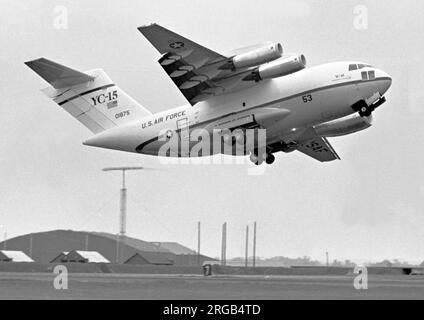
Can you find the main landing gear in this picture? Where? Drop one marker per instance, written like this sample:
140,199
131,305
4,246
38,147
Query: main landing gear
366,110
270,158
258,159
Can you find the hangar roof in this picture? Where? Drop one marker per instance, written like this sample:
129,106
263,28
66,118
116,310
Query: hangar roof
91,256
174,247
151,258
135,243
14,256
60,257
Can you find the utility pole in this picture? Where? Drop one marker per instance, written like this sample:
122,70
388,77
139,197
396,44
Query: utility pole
254,245
123,210
326,255
86,242
247,247
30,245
117,248
198,243
224,245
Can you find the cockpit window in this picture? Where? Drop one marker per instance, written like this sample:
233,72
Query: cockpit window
370,75
353,67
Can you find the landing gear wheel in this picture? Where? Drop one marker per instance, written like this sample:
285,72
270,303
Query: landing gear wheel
365,111
254,158
270,158
228,139
239,135
363,108
257,160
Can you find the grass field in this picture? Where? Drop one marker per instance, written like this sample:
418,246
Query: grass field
114,286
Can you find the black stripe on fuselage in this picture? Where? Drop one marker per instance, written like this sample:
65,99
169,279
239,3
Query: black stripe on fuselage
140,148
86,92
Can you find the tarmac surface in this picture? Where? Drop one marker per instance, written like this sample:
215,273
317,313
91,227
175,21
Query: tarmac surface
187,287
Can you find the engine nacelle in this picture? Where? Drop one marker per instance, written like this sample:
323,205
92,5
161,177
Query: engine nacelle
255,57
344,126
278,68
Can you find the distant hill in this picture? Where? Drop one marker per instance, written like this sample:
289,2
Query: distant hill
276,262
305,261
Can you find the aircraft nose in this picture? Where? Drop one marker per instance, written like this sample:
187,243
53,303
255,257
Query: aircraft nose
386,81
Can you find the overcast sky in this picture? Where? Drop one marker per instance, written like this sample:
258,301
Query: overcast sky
368,206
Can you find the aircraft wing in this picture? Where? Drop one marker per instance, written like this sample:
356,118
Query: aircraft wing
318,148
194,69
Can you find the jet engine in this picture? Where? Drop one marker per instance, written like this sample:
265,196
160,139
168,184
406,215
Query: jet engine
344,126
255,57
278,68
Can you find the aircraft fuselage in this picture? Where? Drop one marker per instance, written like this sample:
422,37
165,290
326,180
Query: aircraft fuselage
294,102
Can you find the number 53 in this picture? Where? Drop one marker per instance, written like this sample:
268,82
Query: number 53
307,98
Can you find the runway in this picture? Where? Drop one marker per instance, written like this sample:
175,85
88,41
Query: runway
186,287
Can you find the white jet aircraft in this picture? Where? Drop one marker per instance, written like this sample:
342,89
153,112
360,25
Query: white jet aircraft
257,87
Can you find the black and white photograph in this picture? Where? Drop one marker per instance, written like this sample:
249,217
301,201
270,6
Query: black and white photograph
211,156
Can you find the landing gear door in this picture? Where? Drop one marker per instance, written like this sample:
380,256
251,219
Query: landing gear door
183,127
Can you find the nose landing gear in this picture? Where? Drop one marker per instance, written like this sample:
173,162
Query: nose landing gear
363,108
366,110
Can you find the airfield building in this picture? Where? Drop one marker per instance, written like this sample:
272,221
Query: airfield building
149,258
54,246
81,257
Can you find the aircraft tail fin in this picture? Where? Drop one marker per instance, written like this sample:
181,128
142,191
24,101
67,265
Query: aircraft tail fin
58,76
90,97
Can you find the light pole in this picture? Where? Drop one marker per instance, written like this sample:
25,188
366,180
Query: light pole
123,208
198,243
326,259
254,245
246,262
224,245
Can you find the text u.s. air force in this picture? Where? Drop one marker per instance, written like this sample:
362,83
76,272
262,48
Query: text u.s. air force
162,119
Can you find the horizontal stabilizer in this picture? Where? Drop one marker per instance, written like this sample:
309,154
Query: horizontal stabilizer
58,75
